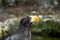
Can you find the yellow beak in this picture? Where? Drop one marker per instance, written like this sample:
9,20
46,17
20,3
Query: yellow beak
34,18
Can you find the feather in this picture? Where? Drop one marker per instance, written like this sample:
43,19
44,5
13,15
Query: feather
23,32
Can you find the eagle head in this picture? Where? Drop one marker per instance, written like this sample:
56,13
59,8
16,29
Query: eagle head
28,20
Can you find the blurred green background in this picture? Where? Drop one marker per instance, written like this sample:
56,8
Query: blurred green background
42,30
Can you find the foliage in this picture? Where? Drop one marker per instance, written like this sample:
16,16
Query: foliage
54,25
46,27
11,28
14,26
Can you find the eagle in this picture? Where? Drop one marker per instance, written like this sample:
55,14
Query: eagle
23,32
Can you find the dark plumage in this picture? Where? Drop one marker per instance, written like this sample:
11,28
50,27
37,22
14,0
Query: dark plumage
23,32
